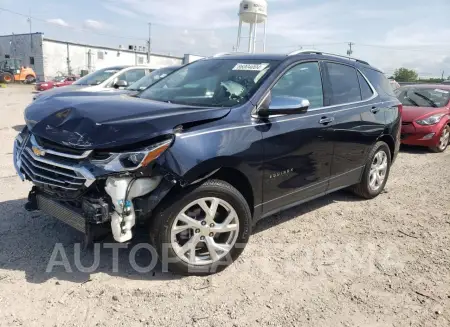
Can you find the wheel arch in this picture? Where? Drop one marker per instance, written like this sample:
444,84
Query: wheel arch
227,170
389,140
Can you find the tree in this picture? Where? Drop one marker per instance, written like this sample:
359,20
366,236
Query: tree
405,75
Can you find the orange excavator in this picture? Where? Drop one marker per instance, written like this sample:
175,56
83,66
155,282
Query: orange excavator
11,70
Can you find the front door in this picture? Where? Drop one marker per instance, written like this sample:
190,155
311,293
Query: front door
297,150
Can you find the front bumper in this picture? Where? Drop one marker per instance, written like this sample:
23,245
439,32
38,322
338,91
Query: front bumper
414,134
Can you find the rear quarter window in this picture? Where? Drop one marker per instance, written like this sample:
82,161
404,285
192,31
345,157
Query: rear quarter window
379,82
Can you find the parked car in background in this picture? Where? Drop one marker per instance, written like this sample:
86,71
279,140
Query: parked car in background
56,82
106,79
152,78
425,115
394,84
204,153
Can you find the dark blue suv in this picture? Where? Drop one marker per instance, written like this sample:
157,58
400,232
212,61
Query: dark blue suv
203,154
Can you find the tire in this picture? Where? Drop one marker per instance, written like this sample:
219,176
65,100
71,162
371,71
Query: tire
443,144
7,78
29,79
364,188
169,242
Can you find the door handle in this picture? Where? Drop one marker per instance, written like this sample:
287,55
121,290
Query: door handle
374,110
326,120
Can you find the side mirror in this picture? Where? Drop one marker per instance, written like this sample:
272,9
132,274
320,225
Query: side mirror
120,83
283,105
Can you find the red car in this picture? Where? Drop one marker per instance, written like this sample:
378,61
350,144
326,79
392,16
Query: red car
56,82
425,115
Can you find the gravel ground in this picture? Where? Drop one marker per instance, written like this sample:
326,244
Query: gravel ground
336,261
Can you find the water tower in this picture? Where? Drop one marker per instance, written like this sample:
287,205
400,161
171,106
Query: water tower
253,12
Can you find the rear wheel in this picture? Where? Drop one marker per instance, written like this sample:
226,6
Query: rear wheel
202,230
29,79
444,139
7,78
375,173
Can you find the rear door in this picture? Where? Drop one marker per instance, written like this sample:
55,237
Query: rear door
359,121
297,151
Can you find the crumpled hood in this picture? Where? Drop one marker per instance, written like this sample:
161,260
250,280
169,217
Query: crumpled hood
95,122
78,90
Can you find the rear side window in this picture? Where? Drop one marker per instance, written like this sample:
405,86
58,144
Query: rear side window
344,83
366,91
379,82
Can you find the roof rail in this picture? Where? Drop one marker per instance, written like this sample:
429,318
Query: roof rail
305,51
221,54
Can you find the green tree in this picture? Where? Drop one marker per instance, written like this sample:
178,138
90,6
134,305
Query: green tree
405,75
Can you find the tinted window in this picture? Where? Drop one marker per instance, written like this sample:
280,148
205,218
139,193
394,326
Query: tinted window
132,76
366,91
344,84
302,81
379,81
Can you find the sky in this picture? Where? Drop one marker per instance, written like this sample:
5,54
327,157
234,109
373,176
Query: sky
387,33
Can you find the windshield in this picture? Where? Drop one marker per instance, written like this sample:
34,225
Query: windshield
423,96
96,77
212,83
148,80
59,79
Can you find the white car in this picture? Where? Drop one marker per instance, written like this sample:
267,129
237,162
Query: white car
102,80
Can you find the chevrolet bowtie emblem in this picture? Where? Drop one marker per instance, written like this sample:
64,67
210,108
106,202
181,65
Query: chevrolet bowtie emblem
38,151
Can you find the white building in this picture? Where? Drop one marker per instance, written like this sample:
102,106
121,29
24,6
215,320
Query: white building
50,58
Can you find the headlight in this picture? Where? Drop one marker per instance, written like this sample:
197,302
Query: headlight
430,120
133,160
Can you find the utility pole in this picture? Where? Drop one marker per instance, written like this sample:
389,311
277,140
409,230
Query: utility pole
350,50
149,48
443,75
31,36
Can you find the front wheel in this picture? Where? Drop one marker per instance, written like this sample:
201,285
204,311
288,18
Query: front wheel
7,78
375,173
443,140
203,230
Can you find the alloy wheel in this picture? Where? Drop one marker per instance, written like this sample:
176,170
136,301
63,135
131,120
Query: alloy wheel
444,139
205,231
378,170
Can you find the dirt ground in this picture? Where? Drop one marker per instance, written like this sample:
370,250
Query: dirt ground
336,261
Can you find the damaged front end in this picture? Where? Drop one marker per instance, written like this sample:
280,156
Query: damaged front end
86,189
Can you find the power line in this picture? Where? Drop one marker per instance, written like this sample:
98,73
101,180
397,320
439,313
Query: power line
71,27
405,48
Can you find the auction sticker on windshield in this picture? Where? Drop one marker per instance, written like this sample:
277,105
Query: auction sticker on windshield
252,67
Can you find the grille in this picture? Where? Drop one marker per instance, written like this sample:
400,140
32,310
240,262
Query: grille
57,147
53,170
44,172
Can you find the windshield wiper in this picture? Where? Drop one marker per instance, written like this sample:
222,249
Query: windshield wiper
433,104
412,101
